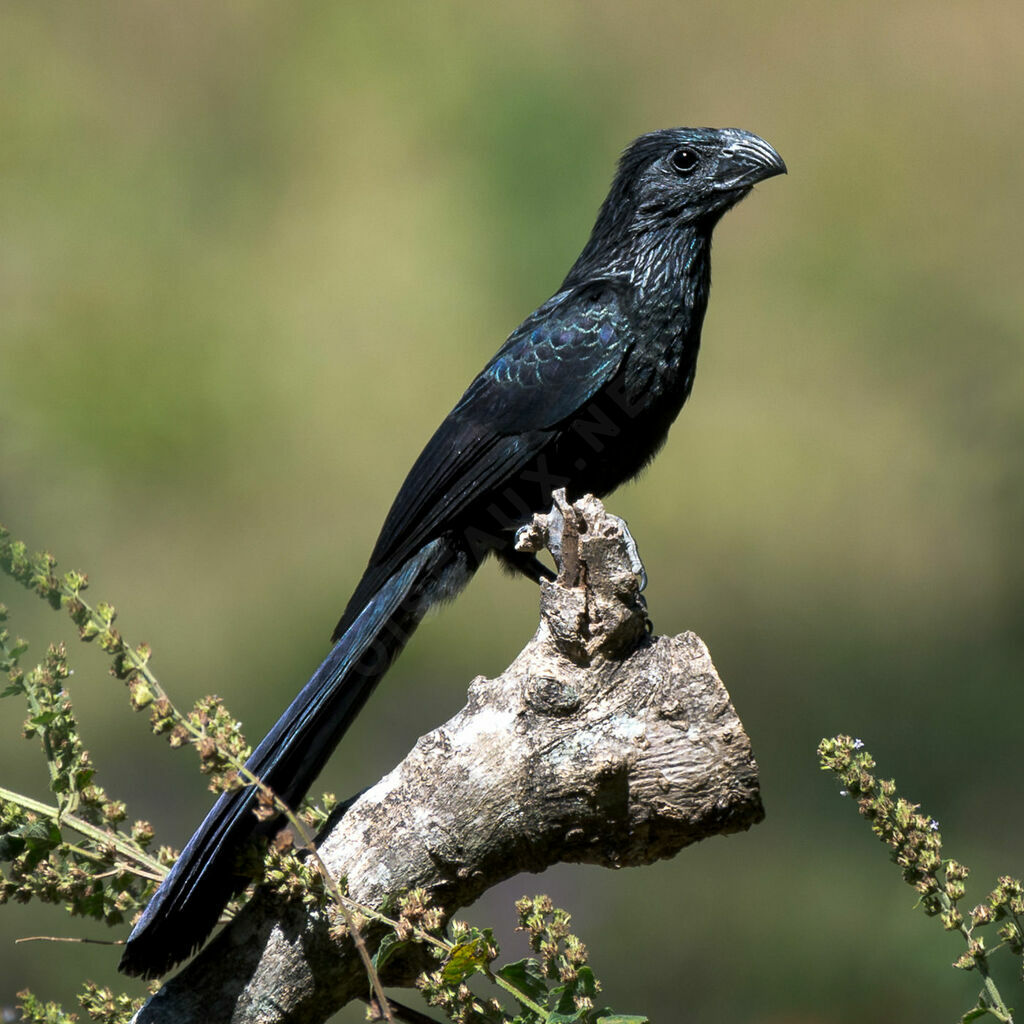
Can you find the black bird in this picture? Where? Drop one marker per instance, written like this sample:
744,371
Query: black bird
580,396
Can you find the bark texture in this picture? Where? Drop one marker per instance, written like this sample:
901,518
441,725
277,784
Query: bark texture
599,744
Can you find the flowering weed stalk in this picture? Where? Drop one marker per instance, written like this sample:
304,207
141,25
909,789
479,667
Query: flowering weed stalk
915,844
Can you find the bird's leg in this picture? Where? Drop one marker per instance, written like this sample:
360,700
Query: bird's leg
638,568
634,555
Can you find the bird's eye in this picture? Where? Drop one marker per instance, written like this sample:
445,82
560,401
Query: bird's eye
684,160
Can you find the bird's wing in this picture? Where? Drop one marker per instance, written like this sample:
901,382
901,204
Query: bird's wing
550,367
546,372
553,363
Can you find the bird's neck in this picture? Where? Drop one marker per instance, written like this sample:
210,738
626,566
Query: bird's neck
667,270
670,273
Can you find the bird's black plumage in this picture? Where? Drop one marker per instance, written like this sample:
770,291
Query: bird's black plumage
580,396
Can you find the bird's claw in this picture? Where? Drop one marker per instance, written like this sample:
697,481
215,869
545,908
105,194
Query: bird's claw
634,556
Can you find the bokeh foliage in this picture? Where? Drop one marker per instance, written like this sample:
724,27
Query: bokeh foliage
250,255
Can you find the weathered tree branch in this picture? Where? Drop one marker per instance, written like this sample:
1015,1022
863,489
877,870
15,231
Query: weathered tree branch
599,744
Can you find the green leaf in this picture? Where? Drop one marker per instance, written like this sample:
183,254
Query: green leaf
465,959
565,1018
42,830
562,998
619,1018
11,844
526,976
586,983
560,1001
973,1014
389,946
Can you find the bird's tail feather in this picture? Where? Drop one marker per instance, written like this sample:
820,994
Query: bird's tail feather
187,905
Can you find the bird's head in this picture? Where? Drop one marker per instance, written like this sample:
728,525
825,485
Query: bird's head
677,177
684,175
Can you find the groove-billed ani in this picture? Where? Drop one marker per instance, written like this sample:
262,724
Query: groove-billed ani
581,396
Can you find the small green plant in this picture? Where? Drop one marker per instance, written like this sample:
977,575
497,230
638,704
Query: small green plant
78,852
915,844
555,987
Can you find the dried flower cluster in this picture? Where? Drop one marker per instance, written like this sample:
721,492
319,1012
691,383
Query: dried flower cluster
915,844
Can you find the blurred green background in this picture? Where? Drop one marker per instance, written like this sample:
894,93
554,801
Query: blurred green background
250,254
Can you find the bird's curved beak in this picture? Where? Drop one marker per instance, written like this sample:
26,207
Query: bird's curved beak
745,160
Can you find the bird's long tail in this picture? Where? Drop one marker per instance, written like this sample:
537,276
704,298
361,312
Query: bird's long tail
187,905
